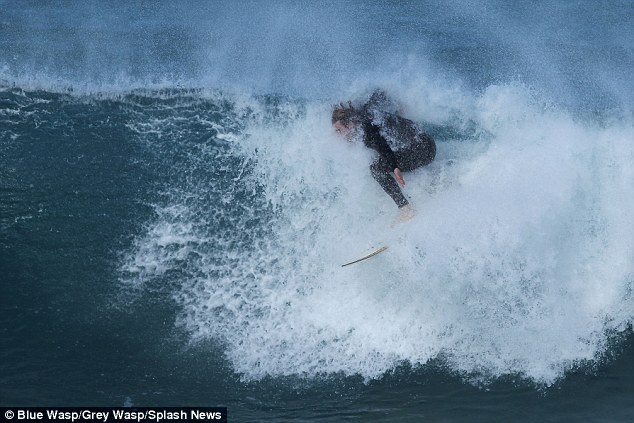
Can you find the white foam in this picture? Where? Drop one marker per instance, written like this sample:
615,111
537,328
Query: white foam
519,260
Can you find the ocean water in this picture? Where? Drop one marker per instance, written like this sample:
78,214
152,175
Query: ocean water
175,207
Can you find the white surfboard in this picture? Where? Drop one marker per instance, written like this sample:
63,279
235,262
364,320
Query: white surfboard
367,256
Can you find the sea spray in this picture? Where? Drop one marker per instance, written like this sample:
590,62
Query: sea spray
515,263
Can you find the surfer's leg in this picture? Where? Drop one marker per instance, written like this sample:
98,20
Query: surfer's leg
383,175
421,153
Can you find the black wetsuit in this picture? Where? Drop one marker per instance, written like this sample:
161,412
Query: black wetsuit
416,149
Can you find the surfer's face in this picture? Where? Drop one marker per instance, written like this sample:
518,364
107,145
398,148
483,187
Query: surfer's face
345,130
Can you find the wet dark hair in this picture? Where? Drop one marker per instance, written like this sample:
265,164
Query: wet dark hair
344,113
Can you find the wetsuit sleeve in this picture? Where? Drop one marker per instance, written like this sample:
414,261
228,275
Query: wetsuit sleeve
375,140
384,177
383,167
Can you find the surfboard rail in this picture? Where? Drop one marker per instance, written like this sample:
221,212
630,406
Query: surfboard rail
367,256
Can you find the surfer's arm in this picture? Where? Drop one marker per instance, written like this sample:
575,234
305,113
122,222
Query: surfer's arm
382,170
399,177
382,173
375,140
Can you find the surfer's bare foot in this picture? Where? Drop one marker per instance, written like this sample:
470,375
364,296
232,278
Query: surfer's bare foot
405,213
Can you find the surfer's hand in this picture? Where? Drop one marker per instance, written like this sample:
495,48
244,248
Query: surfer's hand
405,213
399,177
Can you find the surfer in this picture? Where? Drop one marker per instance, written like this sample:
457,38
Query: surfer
375,122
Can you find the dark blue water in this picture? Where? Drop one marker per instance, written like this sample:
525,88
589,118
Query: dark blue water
174,209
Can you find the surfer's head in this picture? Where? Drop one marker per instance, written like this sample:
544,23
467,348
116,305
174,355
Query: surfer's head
344,119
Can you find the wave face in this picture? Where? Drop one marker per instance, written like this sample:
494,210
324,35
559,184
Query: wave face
520,260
